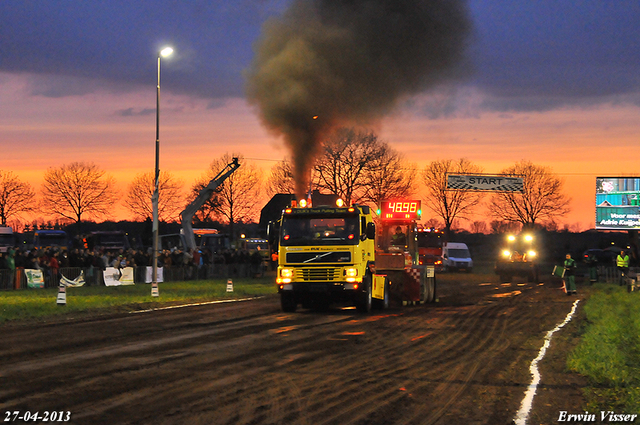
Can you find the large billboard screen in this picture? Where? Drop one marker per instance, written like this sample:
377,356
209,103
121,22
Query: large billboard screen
617,203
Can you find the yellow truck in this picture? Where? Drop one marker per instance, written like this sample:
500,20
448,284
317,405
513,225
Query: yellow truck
334,254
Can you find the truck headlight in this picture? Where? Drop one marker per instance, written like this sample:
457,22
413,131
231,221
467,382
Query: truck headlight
531,253
352,275
506,253
285,276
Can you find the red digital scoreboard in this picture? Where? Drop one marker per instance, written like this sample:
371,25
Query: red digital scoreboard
400,210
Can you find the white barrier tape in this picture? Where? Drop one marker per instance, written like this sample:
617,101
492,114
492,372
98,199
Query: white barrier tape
527,402
195,304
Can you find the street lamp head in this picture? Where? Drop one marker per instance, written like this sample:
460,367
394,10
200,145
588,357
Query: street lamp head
166,52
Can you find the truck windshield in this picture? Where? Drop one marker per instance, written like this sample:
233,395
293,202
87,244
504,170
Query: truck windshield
110,239
459,253
257,246
52,239
319,230
430,240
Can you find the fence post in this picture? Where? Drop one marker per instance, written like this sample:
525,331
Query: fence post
17,278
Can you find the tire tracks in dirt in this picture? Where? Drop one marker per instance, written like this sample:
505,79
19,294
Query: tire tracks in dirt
254,365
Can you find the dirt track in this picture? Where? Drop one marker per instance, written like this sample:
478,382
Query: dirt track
464,360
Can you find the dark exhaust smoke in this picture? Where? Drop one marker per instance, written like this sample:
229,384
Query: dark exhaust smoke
330,63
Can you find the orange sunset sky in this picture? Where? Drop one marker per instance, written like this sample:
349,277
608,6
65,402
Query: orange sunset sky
577,143
538,83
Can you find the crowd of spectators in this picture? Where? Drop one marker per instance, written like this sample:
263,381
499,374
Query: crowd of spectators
191,264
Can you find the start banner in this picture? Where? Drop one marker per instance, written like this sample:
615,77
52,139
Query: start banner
485,182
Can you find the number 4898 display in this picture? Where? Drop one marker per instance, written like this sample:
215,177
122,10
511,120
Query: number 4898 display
403,207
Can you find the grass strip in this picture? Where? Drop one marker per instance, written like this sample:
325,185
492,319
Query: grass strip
32,304
609,350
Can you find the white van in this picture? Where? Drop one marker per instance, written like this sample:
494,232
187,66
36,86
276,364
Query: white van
456,256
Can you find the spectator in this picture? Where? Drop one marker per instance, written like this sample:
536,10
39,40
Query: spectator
622,262
569,275
54,268
11,265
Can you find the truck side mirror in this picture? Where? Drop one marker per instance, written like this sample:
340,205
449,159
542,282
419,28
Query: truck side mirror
371,231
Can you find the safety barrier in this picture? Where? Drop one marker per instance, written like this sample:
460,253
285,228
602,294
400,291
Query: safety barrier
95,277
610,274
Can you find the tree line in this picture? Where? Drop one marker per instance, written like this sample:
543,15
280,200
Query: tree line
354,164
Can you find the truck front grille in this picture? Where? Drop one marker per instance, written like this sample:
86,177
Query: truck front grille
316,275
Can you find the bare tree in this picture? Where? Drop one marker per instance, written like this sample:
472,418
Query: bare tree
449,204
78,189
281,179
16,197
171,197
479,226
433,223
237,198
498,226
342,166
541,199
387,177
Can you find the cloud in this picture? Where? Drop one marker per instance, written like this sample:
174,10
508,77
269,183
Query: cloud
548,54
527,56
132,112
118,41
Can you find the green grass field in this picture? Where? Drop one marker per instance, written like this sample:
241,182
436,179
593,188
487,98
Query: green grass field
31,304
609,350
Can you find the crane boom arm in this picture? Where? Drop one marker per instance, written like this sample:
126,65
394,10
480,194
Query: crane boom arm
188,213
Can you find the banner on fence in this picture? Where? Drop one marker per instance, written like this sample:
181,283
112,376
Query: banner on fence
116,277
149,276
111,276
35,279
126,277
78,281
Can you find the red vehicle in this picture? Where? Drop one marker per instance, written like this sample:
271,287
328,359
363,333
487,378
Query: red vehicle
430,247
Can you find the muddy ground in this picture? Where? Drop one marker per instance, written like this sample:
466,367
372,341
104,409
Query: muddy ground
462,360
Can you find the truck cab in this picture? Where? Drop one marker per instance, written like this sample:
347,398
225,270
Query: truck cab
326,255
430,247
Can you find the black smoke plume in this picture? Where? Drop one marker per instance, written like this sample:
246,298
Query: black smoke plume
329,63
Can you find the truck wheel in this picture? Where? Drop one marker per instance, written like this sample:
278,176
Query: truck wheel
365,300
382,304
288,302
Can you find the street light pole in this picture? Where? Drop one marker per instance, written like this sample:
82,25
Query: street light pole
154,198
